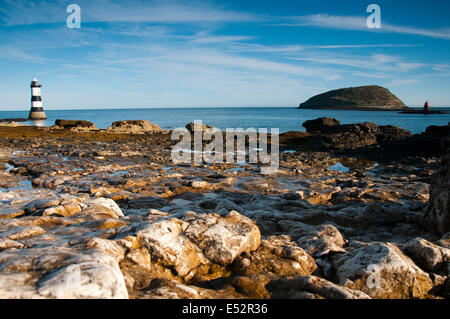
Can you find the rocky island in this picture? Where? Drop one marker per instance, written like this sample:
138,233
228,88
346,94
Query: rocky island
89,213
364,98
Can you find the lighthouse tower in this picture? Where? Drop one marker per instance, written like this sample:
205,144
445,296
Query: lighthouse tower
37,111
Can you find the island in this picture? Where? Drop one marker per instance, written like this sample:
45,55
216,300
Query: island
365,98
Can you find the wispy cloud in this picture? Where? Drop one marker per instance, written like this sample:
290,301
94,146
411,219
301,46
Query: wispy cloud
359,23
19,12
400,82
376,62
16,54
247,47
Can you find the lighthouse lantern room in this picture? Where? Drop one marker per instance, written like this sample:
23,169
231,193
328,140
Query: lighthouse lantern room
37,111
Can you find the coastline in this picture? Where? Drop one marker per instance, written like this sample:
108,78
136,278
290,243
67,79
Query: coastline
117,201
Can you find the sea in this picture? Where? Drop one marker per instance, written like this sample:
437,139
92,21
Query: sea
283,118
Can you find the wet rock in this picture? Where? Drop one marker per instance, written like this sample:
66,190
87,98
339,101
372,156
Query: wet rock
381,270
147,202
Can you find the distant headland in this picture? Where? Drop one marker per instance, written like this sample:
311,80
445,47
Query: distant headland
366,98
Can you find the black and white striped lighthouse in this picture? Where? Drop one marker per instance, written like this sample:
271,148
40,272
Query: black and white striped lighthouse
37,111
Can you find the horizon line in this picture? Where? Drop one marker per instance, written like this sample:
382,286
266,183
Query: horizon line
185,107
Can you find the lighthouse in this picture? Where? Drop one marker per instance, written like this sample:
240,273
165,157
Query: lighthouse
37,111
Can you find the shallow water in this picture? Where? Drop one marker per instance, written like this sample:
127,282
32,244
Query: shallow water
339,167
284,118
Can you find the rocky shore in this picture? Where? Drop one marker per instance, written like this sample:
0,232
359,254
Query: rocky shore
354,211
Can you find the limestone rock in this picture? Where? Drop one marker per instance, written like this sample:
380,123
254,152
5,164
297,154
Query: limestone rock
56,272
316,240
62,210
428,256
41,204
223,239
166,241
191,127
87,279
108,203
75,125
277,256
18,233
381,270
198,240
134,127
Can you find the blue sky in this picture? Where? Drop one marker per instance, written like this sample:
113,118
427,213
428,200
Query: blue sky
166,53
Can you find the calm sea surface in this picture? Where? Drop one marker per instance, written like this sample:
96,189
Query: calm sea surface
286,119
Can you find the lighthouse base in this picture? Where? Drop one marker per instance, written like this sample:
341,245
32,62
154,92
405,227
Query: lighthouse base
37,113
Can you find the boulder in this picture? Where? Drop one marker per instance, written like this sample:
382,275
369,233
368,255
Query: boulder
276,256
108,203
428,256
166,242
198,240
223,239
315,240
381,270
89,279
192,126
319,124
76,125
134,127
56,272
62,210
